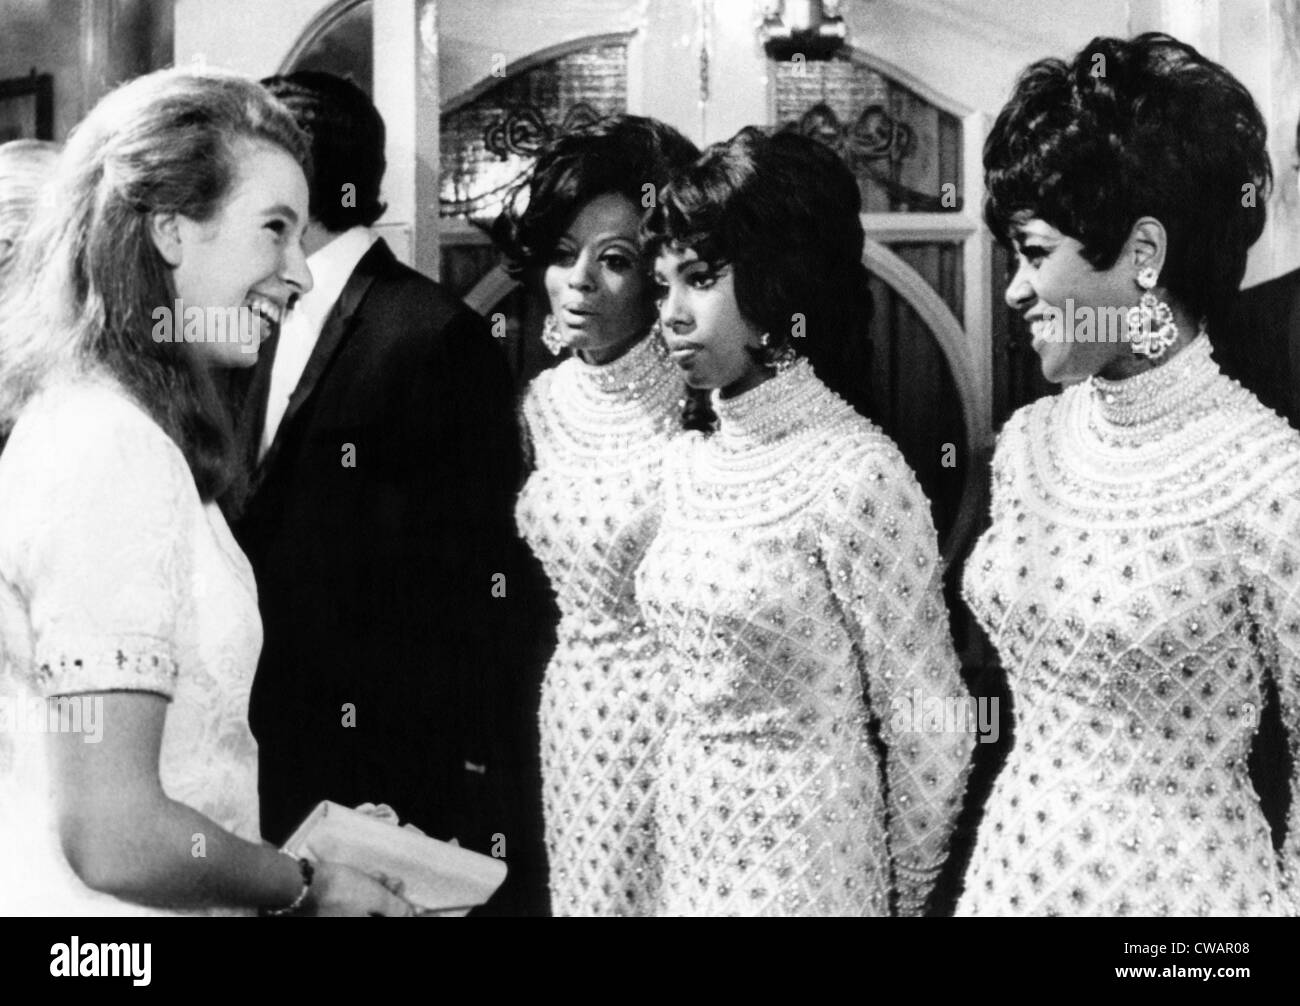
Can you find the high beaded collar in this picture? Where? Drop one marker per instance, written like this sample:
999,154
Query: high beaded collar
636,371
1159,394
781,405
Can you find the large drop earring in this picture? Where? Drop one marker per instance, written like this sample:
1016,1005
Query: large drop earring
551,335
1151,328
657,339
779,360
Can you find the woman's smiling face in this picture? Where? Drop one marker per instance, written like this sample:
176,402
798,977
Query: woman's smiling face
249,256
1053,284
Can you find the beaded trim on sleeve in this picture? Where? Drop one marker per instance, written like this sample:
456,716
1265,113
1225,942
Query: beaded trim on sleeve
140,664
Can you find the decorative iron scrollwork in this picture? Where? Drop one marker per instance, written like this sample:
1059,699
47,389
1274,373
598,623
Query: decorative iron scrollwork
875,137
524,131
489,139
519,132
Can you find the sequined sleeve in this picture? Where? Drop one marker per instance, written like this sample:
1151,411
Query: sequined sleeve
880,548
1271,545
106,560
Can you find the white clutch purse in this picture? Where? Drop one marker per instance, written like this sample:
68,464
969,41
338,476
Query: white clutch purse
441,878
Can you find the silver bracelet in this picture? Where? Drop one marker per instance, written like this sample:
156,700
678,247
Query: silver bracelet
308,872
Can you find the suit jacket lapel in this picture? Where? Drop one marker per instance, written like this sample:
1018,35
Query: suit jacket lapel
338,324
252,408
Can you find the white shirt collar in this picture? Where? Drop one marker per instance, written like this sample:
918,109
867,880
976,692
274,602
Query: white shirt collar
331,267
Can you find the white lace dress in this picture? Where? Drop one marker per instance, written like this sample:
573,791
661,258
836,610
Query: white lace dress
114,576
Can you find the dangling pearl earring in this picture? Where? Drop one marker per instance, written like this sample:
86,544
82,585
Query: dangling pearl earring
1151,328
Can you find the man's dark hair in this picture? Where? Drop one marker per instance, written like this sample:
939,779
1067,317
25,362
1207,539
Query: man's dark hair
347,146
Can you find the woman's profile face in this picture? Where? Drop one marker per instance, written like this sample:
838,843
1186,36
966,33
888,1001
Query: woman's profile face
1076,313
595,283
708,337
240,269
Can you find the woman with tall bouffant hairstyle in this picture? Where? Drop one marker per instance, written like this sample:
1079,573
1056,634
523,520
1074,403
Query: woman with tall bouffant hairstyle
128,616
596,425
795,581
1141,577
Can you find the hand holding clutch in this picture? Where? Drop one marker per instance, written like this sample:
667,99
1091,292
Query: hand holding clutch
439,878
337,889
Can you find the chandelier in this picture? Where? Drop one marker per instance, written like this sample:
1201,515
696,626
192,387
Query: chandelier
813,28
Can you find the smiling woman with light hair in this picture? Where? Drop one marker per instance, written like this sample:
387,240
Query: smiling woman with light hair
120,583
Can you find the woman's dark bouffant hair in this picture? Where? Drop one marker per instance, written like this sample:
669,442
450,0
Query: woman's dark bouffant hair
620,154
1147,127
783,210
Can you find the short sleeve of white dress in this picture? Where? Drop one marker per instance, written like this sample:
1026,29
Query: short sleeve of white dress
97,537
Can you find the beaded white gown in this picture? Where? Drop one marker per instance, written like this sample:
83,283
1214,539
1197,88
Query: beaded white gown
114,576
1141,579
795,584
587,511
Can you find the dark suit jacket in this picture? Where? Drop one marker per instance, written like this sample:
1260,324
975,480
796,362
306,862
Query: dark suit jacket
390,672
1260,345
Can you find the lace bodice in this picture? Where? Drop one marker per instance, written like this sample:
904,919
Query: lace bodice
795,585
1140,582
115,577
587,511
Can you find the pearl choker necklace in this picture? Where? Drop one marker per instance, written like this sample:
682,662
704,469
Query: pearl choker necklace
637,370
1158,393
780,406
609,410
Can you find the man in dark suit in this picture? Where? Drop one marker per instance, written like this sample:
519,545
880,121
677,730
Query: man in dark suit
379,429
1260,343
1260,347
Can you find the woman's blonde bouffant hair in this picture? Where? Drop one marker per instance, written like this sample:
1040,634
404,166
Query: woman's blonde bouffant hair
88,278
